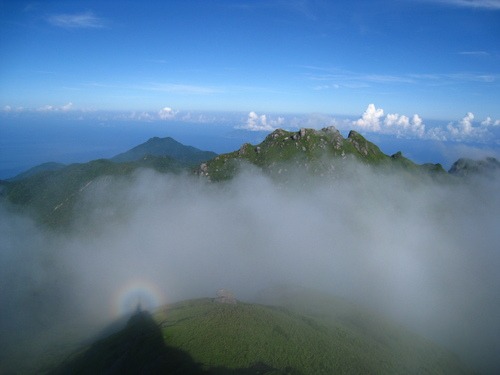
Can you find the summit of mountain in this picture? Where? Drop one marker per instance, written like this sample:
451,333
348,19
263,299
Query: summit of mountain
168,147
316,151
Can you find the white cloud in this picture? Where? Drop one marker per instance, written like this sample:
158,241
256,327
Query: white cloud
371,118
46,108
402,125
488,121
166,113
86,20
67,107
474,53
257,122
396,120
52,108
485,4
7,108
465,129
141,116
437,134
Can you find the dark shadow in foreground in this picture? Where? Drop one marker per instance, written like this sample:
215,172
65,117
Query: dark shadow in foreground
139,348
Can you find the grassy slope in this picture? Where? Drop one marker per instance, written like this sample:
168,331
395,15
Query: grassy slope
205,337
238,336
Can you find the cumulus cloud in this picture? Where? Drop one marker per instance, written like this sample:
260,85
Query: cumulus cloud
257,122
466,130
488,121
423,253
371,118
166,113
86,20
402,125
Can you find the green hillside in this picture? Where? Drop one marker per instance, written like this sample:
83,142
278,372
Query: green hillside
315,151
50,195
50,190
207,337
165,147
44,167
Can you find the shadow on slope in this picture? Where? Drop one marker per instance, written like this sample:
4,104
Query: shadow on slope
137,349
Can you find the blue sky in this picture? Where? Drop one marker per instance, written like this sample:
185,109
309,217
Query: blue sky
392,67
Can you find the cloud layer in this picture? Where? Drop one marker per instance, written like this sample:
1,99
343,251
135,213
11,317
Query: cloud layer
424,254
467,129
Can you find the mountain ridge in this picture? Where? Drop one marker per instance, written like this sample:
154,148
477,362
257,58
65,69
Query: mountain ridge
313,150
50,190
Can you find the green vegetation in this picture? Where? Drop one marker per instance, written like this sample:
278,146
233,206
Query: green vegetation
50,190
51,195
203,336
45,167
188,155
467,167
316,152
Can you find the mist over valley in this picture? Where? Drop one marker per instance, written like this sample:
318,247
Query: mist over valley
421,251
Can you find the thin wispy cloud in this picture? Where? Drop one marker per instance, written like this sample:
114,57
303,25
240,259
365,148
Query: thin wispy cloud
483,4
85,20
337,78
474,53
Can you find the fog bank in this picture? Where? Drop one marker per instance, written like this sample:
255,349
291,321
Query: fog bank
424,253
